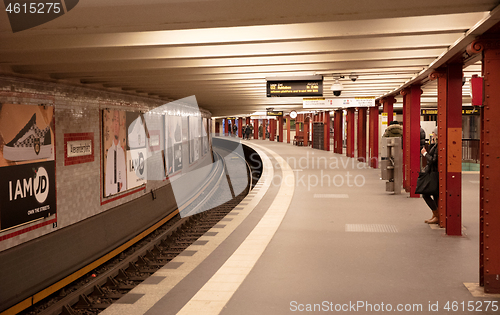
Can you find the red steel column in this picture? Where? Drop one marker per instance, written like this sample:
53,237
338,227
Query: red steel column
441,122
272,129
288,129
489,204
217,127
454,150
306,130
240,130
264,129
256,129
337,132
388,107
280,128
414,149
406,139
374,140
490,168
326,122
350,137
362,134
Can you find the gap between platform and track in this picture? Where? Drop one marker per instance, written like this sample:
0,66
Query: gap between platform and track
214,295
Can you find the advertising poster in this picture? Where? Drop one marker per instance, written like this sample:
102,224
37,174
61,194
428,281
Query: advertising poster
155,165
194,138
174,136
204,136
114,138
27,166
169,145
136,150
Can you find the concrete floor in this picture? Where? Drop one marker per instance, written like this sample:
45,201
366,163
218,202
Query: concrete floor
347,245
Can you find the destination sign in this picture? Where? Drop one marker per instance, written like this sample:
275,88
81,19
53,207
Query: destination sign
465,111
290,88
275,113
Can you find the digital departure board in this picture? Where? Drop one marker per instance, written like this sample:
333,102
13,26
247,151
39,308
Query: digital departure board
275,113
290,88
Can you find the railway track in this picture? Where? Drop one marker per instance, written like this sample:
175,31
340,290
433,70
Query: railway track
106,284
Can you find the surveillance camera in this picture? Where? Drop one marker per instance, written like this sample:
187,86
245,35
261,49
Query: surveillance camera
336,88
353,77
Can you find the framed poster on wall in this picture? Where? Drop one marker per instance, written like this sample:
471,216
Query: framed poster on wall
124,151
173,137
27,165
194,138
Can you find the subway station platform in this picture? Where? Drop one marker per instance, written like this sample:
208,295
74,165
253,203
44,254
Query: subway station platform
320,234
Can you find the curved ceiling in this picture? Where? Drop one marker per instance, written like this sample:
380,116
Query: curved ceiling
221,51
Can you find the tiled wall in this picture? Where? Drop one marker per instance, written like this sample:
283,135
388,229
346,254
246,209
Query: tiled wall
77,110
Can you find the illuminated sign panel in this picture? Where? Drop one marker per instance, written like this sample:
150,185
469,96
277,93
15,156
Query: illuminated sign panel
295,87
275,113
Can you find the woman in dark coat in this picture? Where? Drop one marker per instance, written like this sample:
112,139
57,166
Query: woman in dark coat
432,165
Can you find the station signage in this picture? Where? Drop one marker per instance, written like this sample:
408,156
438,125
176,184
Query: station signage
275,113
335,103
314,102
465,111
291,86
428,112
79,148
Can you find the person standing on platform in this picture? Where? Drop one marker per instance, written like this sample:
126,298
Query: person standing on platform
432,166
393,130
235,129
248,130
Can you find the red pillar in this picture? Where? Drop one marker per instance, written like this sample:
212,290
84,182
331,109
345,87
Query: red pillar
374,139
306,130
280,128
441,123
226,129
406,139
264,128
362,134
247,121
274,124
388,107
337,132
489,204
217,127
288,129
350,137
256,129
414,122
240,130
326,124
454,151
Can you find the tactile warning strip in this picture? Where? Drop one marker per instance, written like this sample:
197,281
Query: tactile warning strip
371,228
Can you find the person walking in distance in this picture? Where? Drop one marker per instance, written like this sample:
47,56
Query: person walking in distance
248,131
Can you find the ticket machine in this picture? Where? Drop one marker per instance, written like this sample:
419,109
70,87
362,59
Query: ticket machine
391,165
